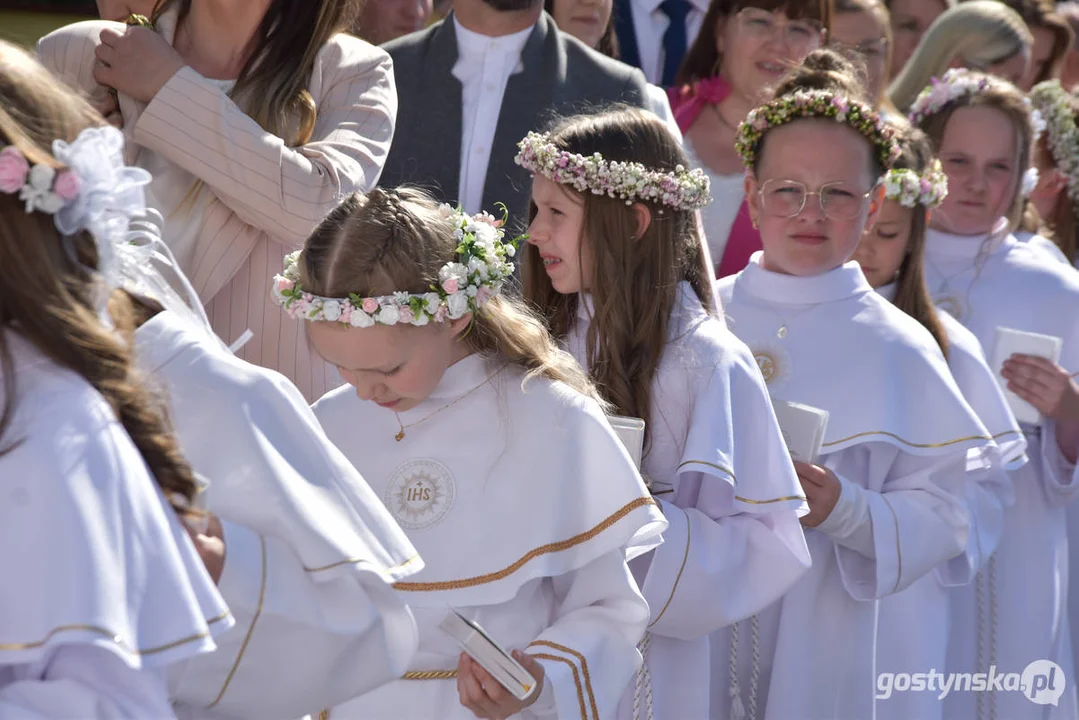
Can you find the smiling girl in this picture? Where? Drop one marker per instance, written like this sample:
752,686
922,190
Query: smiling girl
886,494
982,130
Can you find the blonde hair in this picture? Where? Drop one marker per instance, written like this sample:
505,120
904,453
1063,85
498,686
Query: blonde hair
272,86
634,279
47,293
979,33
397,241
1002,96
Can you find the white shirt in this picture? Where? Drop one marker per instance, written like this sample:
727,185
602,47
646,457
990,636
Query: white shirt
649,24
484,66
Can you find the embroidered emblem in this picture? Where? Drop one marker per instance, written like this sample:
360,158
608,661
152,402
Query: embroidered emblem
420,493
774,362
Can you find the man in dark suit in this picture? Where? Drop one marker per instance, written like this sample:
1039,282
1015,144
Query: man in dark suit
471,86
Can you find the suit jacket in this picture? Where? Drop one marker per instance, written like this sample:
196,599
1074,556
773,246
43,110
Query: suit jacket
560,76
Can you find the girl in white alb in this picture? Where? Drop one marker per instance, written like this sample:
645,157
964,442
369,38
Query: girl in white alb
982,130
623,282
103,591
885,489
489,448
891,257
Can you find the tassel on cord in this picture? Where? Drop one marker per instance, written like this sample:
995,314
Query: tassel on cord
738,711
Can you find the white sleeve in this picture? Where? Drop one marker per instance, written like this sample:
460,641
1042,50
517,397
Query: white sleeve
888,539
741,563
289,626
988,491
1060,477
589,653
84,682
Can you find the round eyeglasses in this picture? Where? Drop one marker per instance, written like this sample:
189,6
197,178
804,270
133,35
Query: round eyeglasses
801,35
787,198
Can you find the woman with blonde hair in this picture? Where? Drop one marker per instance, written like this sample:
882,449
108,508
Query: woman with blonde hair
255,119
983,35
103,591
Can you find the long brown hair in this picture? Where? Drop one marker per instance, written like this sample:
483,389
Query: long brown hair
272,86
634,279
703,59
46,291
397,241
1008,99
1042,14
912,294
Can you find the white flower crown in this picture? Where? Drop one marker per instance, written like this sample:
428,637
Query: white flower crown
464,286
1054,104
955,84
629,181
910,189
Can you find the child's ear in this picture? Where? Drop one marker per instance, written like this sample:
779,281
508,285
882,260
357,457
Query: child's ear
752,198
876,202
644,218
461,324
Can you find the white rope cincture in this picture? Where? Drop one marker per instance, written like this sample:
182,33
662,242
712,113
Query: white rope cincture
738,711
644,681
979,632
755,675
992,630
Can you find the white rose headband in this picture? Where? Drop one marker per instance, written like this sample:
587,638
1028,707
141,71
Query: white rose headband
1054,104
910,189
956,84
682,189
465,285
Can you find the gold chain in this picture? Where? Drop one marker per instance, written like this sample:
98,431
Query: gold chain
401,428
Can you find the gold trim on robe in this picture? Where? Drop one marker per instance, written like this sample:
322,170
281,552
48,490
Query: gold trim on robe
678,577
11,647
250,629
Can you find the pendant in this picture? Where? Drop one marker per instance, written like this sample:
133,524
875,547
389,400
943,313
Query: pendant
400,435
782,332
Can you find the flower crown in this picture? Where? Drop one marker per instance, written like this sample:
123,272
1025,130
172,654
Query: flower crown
815,104
910,189
630,181
464,286
956,84
41,187
1053,102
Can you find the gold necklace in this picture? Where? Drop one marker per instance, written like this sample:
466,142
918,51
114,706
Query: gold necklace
401,428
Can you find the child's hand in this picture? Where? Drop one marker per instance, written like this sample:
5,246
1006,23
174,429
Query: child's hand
485,696
210,544
822,490
1043,384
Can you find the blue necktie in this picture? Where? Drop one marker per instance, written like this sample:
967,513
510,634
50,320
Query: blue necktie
674,38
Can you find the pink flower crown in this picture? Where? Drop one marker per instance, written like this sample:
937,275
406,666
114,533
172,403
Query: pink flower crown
465,285
815,104
911,189
41,187
632,182
956,84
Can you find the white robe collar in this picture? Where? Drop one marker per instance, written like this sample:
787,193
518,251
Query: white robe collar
970,246
843,282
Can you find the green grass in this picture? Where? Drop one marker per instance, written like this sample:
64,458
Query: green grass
24,28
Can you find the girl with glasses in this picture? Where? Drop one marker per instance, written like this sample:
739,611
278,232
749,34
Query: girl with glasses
885,492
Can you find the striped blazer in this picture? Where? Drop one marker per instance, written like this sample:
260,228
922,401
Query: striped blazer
264,197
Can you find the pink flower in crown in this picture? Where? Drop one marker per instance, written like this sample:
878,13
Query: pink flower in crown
370,306
13,170
841,104
450,285
483,295
442,313
282,284
67,186
405,314
346,312
925,185
760,122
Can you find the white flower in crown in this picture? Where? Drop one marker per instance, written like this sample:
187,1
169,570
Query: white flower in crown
941,92
1030,181
464,285
1054,104
910,189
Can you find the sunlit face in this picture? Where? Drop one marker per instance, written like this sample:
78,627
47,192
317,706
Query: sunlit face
910,20
585,20
395,366
1040,55
758,46
385,20
862,32
556,231
819,154
979,154
119,10
884,246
